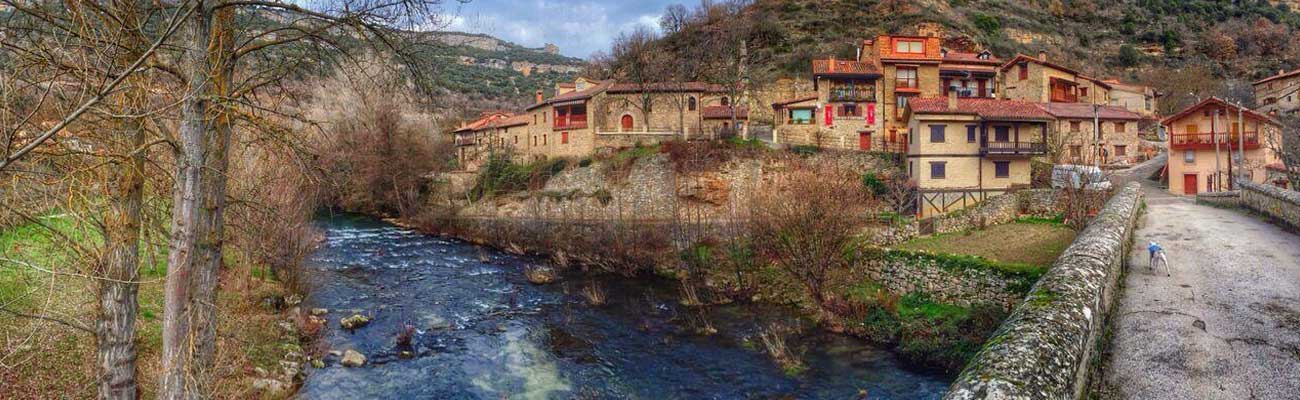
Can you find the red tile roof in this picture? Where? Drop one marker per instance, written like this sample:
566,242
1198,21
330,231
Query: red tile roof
984,108
959,57
844,67
624,87
1084,111
516,120
1218,102
483,121
723,112
1283,75
574,95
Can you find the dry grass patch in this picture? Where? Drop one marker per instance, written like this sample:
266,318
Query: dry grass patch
1033,243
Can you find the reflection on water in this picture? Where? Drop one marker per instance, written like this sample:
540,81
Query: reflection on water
482,332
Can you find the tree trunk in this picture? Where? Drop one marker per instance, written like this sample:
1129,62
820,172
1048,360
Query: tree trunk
115,323
117,296
177,381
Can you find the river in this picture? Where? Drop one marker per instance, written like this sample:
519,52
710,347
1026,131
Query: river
481,331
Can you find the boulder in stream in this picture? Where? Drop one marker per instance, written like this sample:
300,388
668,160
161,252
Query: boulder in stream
353,358
354,322
540,274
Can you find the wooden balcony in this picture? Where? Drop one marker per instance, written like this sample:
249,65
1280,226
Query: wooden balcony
853,94
1013,149
1205,141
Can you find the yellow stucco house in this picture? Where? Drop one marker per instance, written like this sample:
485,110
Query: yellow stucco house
1204,140
963,150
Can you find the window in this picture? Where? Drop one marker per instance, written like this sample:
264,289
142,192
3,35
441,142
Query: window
1189,157
1075,150
937,169
1074,126
1120,127
936,133
564,137
690,103
909,46
900,104
905,78
516,139
970,133
1002,169
1002,134
1210,185
1120,150
543,139
726,101
801,116
1083,92
1024,71
849,110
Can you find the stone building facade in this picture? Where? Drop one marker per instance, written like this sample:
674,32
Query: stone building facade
587,115
1074,134
1039,80
1279,94
1139,99
1195,166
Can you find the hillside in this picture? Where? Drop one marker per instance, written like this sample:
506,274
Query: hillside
1231,42
482,72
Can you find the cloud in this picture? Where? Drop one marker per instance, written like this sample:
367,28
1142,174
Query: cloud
578,27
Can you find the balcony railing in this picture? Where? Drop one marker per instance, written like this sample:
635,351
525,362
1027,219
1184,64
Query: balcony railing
1013,148
853,94
1205,141
571,122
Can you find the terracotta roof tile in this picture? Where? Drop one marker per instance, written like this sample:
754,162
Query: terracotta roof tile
984,108
1278,76
1083,110
574,95
794,100
1220,103
970,58
624,87
723,112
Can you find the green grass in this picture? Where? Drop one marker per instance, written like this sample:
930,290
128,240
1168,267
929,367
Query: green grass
1015,246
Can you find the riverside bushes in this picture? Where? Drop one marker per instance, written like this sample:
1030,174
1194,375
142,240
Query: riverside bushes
928,333
502,175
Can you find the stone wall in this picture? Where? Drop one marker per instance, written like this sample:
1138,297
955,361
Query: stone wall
1220,199
1281,204
901,271
1047,348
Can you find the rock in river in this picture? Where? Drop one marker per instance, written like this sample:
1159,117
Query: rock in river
352,358
354,322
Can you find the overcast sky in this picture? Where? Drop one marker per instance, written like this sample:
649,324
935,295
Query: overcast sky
579,27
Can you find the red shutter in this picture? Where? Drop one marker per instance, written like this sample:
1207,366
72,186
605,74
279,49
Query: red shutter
830,115
871,114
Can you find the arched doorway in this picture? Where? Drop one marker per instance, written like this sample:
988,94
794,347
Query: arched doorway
626,122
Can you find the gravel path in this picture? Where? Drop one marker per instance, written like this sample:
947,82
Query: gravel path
1226,325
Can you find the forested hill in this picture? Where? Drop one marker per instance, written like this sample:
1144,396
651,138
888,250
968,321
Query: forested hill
480,72
1233,41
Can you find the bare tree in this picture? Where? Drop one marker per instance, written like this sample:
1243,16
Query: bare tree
1286,146
639,60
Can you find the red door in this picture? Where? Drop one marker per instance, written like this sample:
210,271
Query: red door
864,140
1189,184
627,122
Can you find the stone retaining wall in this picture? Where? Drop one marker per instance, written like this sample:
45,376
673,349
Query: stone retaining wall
1046,349
1281,204
907,272
1220,199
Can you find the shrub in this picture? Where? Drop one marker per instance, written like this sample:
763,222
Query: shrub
987,23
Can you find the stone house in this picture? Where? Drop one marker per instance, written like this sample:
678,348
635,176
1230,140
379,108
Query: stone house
1039,80
1204,144
969,74
1279,94
910,69
717,121
842,113
587,115
1073,134
964,150
1136,98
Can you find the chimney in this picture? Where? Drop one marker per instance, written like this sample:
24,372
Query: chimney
952,100
1042,56
539,96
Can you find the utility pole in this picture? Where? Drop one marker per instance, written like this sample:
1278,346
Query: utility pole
1241,140
1096,136
1214,136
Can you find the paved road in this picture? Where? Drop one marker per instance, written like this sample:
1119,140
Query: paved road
1226,325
